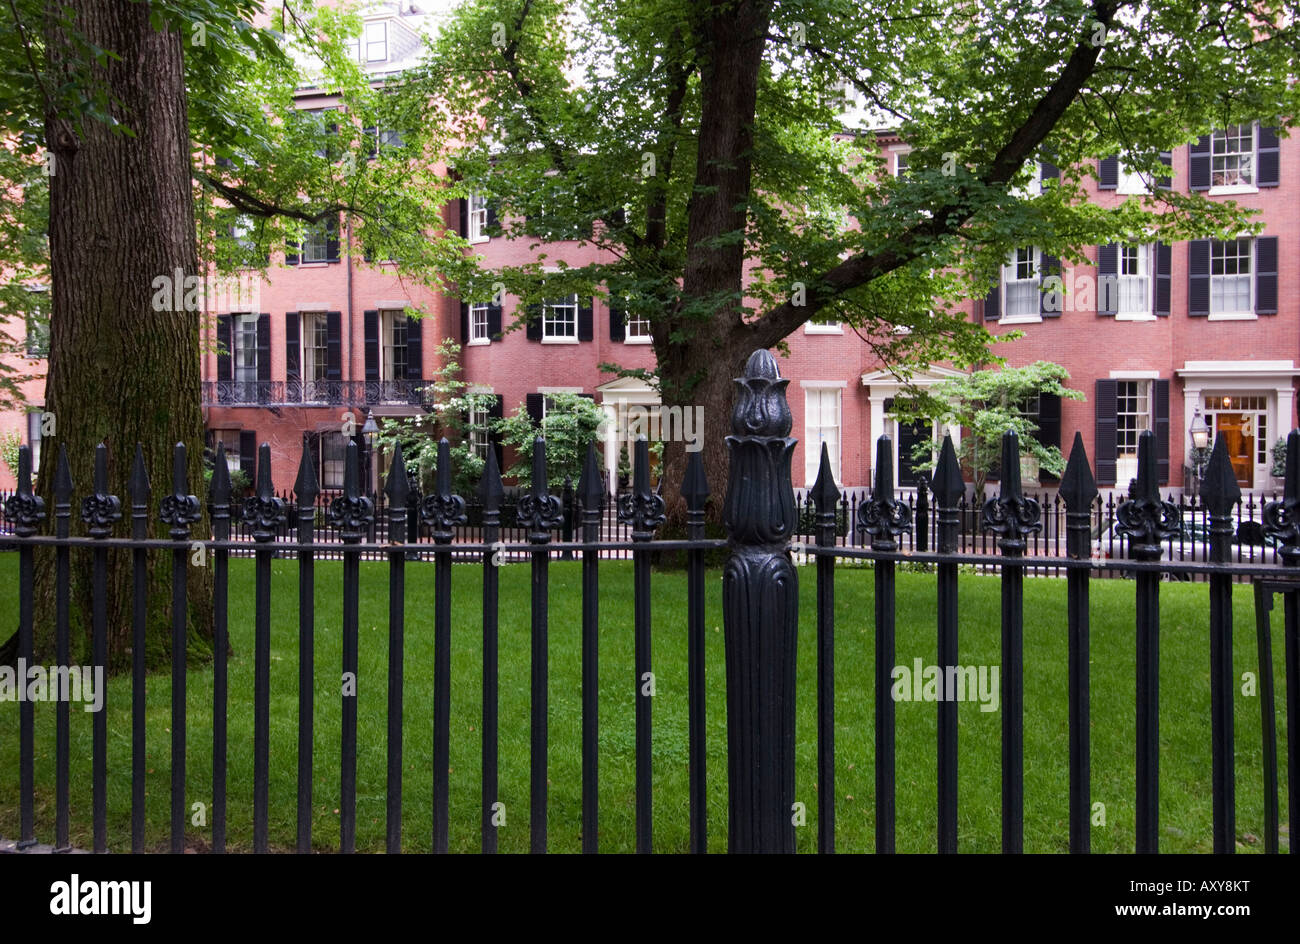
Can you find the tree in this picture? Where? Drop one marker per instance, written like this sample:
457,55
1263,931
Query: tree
572,421
984,405
697,141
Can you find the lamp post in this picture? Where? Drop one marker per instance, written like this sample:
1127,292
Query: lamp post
1200,433
370,430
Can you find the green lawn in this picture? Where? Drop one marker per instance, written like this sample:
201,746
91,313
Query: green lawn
1185,814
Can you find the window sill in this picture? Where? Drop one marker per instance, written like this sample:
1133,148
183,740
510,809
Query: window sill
810,328
478,342
1021,319
1233,189
1233,316
638,340
559,340
475,240
313,265
1135,316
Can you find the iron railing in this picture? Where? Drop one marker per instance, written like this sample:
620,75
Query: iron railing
759,592
314,392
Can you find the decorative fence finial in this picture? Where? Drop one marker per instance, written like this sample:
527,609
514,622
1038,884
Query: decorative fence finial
1282,518
760,505
948,488
1144,517
100,510
441,510
263,511
641,508
539,510
1078,490
591,489
352,512
1221,493
22,508
397,490
883,516
1011,515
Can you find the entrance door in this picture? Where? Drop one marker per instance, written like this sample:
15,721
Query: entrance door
1238,432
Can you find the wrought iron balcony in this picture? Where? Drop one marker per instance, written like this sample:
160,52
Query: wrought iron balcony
314,392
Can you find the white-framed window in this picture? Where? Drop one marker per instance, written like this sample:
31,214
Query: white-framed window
1231,282
476,228
244,356
241,232
832,327
393,325
1133,283
376,42
637,329
37,341
900,162
1022,298
330,450
1130,182
1132,418
479,438
34,438
478,323
821,425
315,243
560,319
1232,156
230,439
315,356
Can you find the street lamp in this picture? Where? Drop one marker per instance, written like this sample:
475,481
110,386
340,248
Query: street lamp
370,430
1200,433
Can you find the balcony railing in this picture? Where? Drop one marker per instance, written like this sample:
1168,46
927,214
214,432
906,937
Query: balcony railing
313,392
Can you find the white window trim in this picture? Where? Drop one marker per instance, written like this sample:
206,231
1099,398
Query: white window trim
1237,189
812,327
474,230
472,341
629,338
366,41
1009,319
385,342
837,468
1147,253
553,339
1246,315
896,151
305,318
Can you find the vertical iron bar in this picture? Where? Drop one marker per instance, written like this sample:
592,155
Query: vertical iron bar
491,494
219,510
1079,490
695,489
396,489
306,490
178,647
62,583
26,510
1221,494
948,489
592,493
140,501
100,510
1267,712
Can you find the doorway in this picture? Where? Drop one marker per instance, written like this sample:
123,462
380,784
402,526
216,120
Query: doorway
1243,424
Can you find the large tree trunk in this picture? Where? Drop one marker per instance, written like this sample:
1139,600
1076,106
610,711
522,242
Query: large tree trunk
120,372
699,370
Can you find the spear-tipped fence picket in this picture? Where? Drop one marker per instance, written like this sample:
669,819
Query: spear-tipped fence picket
1143,536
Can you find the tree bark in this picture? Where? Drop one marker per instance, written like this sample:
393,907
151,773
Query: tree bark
121,372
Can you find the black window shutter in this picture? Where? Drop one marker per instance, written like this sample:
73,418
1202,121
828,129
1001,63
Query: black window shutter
1048,171
533,331
292,332
464,323
1053,300
993,302
1160,391
494,322
1164,278
414,348
224,341
1266,275
585,327
533,403
1166,182
1049,419
370,326
1108,173
1198,277
332,240
1198,163
291,254
1267,162
493,229
495,412
617,324
1107,279
248,453
463,211
1104,445
333,345
263,352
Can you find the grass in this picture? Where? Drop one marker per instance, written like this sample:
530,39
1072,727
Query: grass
1185,793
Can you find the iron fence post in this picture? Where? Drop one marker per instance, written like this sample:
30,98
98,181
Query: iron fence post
760,601
1079,490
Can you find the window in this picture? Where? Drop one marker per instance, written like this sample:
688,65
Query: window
394,325
476,230
376,42
1020,276
230,439
1132,418
241,232
1133,282
329,453
315,333
638,327
823,327
479,437
1130,182
900,162
1232,156
381,139
38,326
34,439
478,323
316,244
560,319
1230,277
244,356
821,425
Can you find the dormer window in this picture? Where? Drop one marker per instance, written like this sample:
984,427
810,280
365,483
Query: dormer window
376,42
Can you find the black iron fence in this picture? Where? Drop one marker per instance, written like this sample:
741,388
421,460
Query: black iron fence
760,607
